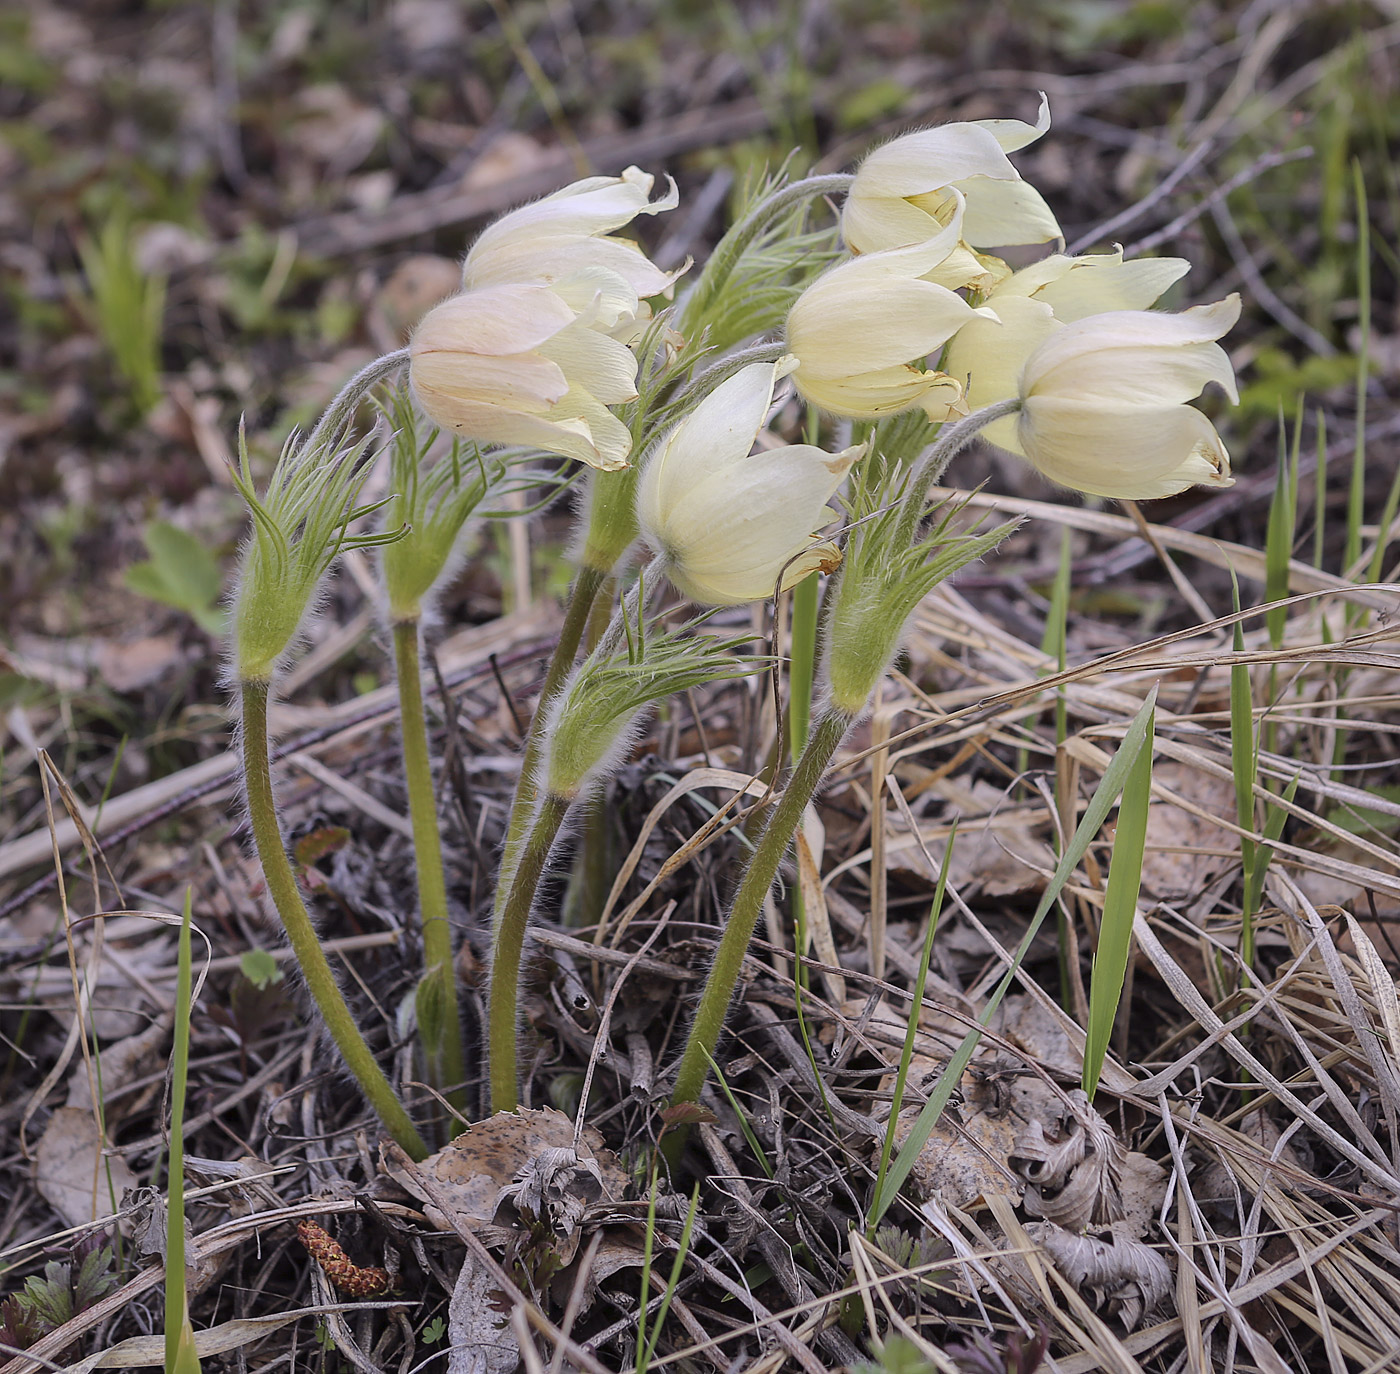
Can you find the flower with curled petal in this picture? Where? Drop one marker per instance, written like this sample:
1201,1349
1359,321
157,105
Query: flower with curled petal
567,241
1104,402
987,356
901,192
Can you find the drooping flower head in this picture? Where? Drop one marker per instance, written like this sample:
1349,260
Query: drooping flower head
517,364
728,522
1103,380
1104,402
861,331
901,192
567,241
987,355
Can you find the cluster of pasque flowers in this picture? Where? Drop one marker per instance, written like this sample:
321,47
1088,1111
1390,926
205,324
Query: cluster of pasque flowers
552,346
918,313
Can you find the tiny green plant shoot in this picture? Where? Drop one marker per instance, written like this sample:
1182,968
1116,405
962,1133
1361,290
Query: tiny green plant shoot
567,344
127,307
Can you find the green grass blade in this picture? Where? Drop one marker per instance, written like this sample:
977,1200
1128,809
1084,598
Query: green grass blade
180,1356
1110,785
1244,762
1274,818
647,1238
1356,495
1278,543
911,1031
743,1116
1320,488
1110,964
682,1249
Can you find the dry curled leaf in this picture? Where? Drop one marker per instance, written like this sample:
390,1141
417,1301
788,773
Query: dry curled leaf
1074,1170
496,1160
1120,1278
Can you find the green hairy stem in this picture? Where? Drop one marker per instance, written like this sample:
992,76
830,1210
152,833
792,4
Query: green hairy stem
301,934
586,587
442,1041
507,944
782,823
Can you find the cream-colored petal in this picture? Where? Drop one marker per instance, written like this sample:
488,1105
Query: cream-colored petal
494,424
611,439
940,239
852,321
887,391
602,299
596,363
596,205
1101,283
1003,214
913,164
492,320
963,267
523,381
875,224
716,435
987,357
555,258
1126,329
729,541
1141,374
1015,134
1133,453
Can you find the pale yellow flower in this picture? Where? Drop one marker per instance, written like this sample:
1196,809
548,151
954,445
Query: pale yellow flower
860,328
987,355
568,237
516,364
1104,402
727,522
901,192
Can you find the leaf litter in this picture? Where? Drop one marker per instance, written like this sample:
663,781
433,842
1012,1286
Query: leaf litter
1230,1199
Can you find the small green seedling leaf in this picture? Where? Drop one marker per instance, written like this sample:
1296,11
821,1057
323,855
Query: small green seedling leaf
181,572
260,968
434,1331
